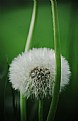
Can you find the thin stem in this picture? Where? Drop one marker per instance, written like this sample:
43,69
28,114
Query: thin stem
56,89
32,24
29,38
40,110
22,107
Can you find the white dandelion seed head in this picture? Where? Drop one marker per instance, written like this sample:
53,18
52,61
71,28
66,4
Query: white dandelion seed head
33,72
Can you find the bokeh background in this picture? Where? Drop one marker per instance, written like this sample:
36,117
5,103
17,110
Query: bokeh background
15,16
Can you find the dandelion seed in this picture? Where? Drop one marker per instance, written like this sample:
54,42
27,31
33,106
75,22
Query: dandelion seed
33,72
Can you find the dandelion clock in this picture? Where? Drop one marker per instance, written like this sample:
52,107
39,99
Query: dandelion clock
33,72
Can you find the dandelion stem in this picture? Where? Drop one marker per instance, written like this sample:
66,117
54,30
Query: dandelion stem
40,110
29,37
56,89
32,24
23,107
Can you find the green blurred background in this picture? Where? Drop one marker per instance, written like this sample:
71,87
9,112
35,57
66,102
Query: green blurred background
15,16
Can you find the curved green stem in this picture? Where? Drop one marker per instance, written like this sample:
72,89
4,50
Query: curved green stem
29,38
40,110
32,24
56,89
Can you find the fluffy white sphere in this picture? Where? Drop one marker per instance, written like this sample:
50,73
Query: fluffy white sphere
33,72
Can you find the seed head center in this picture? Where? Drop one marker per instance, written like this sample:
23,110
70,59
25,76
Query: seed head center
40,74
